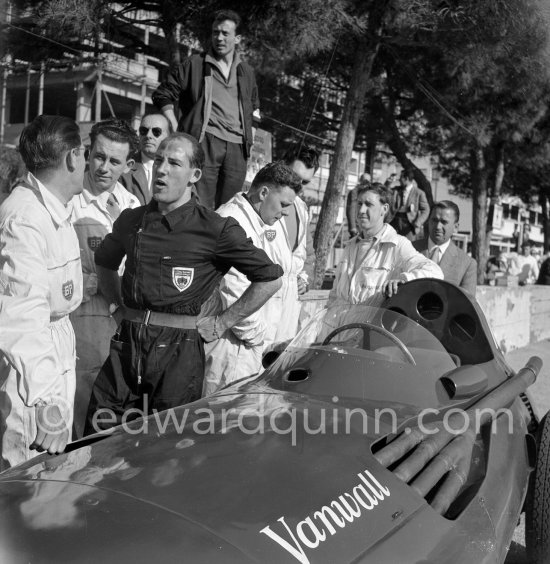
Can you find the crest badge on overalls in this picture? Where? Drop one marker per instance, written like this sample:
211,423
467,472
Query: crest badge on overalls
270,234
94,242
182,277
67,289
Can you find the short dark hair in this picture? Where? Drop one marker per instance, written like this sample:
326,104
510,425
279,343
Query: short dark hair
384,195
447,205
46,139
308,155
223,15
196,159
277,175
116,130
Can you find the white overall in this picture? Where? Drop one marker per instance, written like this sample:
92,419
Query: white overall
40,284
238,353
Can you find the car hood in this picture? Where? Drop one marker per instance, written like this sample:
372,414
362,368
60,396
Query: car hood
235,477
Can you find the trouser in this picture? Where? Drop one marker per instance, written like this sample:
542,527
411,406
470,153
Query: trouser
17,420
93,336
149,368
223,173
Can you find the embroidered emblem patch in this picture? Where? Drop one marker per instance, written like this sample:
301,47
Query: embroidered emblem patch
270,235
182,277
67,289
94,242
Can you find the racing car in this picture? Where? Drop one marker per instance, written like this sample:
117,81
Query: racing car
385,435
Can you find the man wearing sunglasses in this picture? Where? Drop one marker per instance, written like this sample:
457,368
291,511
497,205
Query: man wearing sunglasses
217,98
153,130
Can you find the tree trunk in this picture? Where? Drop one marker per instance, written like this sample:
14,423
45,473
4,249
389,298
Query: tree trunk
370,153
496,189
544,196
398,147
499,173
172,43
480,250
365,54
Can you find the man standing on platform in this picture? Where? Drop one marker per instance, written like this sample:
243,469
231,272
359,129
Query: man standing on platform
139,180
217,97
457,266
95,210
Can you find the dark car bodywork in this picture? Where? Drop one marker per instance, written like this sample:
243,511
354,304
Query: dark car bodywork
282,467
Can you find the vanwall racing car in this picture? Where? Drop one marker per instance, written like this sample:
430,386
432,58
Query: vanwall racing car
380,435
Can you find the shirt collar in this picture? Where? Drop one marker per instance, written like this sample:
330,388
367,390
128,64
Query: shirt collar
175,216
87,197
146,161
60,213
442,247
210,58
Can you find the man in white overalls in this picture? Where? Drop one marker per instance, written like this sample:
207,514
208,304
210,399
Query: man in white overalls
113,145
238,352
40,284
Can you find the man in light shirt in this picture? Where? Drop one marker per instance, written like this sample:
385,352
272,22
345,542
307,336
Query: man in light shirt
114,143
525,266
154,128
457,266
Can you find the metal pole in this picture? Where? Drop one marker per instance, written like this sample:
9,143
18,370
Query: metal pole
28,95
98,91
41,88
3,102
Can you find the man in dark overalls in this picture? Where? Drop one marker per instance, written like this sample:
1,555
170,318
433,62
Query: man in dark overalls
176,253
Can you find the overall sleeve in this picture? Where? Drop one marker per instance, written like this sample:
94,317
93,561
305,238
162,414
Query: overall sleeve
410,264
25,336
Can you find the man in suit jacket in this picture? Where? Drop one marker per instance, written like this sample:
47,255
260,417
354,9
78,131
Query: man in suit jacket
457,266
410,207
154,128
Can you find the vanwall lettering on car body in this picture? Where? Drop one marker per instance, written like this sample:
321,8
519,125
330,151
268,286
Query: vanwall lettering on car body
312,531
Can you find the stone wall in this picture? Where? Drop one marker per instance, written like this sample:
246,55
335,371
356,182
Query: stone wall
517,315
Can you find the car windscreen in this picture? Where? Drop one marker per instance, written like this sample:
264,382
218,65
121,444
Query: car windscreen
369,333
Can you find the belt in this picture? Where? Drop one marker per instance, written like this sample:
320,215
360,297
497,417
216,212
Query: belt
149,317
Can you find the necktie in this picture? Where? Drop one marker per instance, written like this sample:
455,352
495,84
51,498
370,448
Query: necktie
112,207
436,255
400,200
148,175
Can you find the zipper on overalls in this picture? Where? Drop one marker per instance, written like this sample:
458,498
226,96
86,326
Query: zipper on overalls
134,291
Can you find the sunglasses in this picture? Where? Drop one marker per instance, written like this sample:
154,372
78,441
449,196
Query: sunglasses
157,131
